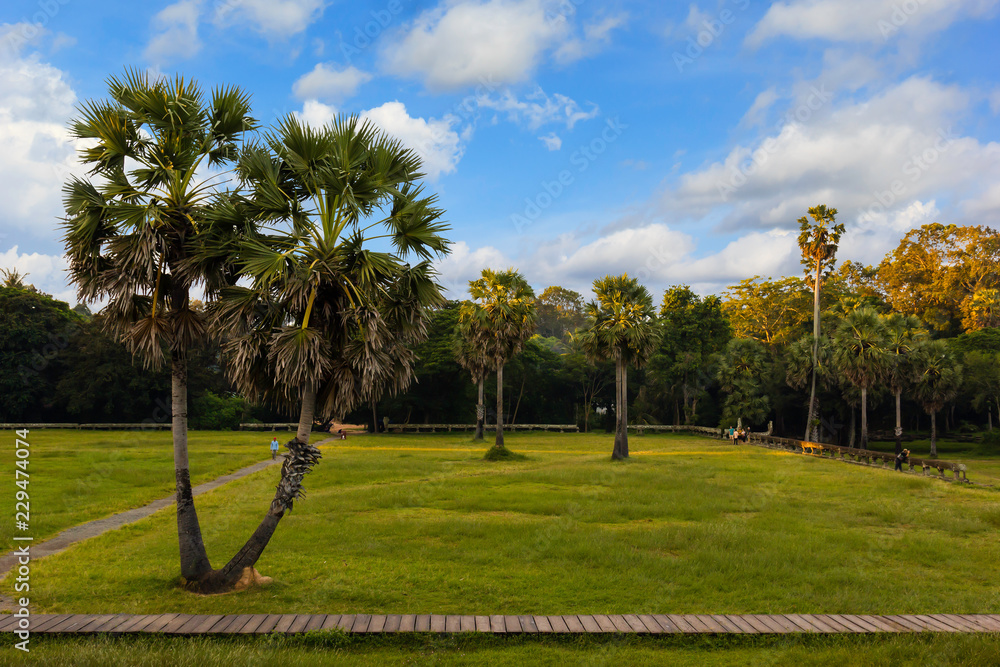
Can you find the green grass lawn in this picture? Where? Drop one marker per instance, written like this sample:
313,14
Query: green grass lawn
78,476
421,524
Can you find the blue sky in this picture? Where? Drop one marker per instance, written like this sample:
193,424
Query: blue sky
678,142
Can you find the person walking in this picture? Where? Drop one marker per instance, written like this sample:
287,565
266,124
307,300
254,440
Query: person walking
902,458
274,448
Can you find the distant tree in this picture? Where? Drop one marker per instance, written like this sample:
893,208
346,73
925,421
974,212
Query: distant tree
560,311
775,312
741,366
982,310
982,371
903,332
503,305
473,354
938,379
818,241
861,357
620,326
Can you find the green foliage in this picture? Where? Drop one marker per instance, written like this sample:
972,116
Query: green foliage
560,312
775,312
742,365
210,412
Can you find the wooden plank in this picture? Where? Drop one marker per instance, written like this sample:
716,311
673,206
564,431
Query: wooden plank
467,623
803,623
203,626
681,623
193,621
750,620
860,621
604,623
51,621
709,622
983,621
173,626
960,622
652,627
497,624
573,624
737,620
392,623
439,622
774,626
840,624
423,623
377,624
542,623
881,624
823,625
590,624
909,619
250,627
332,622
141,621
95,622
634,623
407,622
267,625
285,622
237,624
558,624
905,622
452,623
697,624
13,621
482,623
945,620
940,626
316,622
361,622
527,624
72,623
668,626
512,623
159,623
896,627
729,626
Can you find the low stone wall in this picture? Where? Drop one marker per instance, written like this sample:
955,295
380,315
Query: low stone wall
947,470
434,428
92,427
660,428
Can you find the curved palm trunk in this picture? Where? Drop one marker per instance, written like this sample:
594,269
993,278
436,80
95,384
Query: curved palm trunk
480,412
864,418
899,423
621,429
499,441
194,559
934,433
298,462
815,359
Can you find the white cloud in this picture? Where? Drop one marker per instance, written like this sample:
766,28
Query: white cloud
862,20
435,140
538,108
995,101
467,42
316,113
463,264
325,82
758,110
863,157
274,18
38,154
176,32
596,36
45,272
551,141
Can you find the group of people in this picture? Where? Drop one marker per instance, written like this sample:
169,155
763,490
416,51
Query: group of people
738,434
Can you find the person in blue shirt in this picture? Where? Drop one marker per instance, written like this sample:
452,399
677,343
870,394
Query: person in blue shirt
274,448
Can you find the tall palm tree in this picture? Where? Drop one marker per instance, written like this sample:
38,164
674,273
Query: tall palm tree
130,230
860,355
620,326
938,379
818,242
472,355
903,332
326,323
501,317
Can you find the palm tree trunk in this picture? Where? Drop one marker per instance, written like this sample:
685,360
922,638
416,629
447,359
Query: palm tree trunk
499,440
194,558
934,433
864,418
306,415
374,418
480,412
815,357
899,423
850,439
621,416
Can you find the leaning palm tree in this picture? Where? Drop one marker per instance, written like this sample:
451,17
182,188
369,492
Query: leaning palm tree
903,333
131,227
938,379
861,357
620,326
471,354
501,317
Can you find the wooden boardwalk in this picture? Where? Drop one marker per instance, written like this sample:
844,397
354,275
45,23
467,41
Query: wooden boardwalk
656,624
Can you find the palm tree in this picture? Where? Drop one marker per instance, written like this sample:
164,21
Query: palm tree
860,355
620,326
501,317
472,355
130,231
903,332
938,379
818,242
741,366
